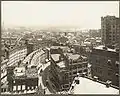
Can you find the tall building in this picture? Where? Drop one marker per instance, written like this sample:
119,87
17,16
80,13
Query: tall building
105,64
110,29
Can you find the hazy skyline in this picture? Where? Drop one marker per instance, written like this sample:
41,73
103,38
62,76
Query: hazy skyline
83,14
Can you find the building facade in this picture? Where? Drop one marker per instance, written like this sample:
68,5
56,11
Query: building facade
65,66
16,55
110,29
104,64
21,79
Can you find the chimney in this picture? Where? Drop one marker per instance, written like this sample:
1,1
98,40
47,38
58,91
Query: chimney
108,83
95,78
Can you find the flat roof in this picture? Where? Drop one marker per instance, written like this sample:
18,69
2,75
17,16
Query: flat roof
55,57
73,56
101,48
61,64
87,86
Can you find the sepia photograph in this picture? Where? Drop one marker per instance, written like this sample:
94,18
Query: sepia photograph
59,47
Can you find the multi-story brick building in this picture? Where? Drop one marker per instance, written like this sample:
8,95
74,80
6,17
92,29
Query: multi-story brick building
104,64
110,29
16,55
66,66
21,79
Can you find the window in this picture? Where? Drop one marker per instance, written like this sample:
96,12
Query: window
117,74
98,70
117,63
83,65
74,67
74,72
80,71
80,66
109,62
97,61
109,72
66,76
85,70
113,26
95,69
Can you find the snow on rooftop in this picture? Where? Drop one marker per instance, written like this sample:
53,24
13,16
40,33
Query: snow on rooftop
98,40
87,86
87,43
73,56
61,64
55,57
101,48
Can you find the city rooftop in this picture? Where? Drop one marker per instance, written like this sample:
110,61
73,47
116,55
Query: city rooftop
87,86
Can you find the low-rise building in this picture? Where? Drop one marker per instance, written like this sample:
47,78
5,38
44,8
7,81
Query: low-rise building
21,79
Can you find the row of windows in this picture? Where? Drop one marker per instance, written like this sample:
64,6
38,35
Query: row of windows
19,88
79,71
13,56
17,57
15,61
109,62
16,54
79,66
112,26
100,71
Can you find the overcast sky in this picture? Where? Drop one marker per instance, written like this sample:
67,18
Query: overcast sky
82,14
